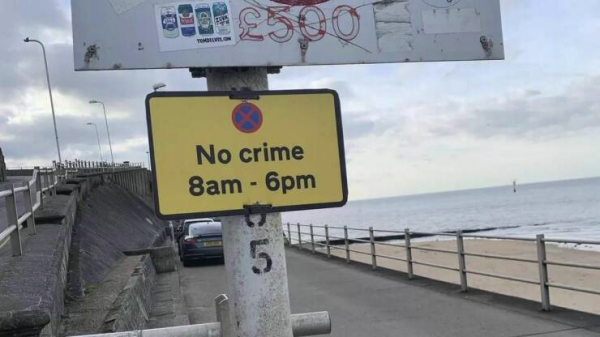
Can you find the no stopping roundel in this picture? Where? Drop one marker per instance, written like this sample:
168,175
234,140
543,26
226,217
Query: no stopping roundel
247,117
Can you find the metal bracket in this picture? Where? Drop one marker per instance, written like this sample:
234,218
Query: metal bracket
244,94
257,209
487,45
201,72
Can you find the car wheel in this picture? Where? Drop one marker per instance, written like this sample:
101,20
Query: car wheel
186,262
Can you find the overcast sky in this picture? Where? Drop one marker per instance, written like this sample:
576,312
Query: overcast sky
411,128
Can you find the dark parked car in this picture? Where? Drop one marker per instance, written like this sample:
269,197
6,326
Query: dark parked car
201,241
183,225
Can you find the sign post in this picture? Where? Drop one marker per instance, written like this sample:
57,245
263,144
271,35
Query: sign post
259,301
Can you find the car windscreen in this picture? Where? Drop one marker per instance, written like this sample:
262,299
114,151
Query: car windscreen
205,229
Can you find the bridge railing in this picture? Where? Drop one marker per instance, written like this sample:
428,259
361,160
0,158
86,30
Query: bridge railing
42,183
303,237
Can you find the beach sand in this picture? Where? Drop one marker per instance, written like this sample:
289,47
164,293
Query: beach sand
583,278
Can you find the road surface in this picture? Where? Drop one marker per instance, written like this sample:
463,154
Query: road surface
364,303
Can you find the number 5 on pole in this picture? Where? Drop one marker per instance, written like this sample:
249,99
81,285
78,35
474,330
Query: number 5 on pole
261,255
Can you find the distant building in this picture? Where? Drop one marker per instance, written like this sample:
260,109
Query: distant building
2,167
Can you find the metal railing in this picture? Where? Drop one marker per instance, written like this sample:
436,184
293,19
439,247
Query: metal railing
96,166
42,183
461,264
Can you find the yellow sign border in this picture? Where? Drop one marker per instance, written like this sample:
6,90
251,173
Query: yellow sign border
248,95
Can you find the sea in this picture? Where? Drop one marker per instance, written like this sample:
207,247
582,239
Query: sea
558,209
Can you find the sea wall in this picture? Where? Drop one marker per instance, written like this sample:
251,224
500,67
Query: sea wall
32,286
130,310
81,233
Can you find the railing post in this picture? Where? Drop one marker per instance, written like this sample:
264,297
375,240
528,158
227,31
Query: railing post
38,186
53,179
289,235
327,242
172,234
541,250
47,180
462,264
299,238
373,251
312,239
347,244
12,216
409,263
223,315
29,208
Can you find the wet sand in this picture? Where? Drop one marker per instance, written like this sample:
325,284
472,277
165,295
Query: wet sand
577,277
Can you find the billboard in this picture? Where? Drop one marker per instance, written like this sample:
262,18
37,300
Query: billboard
162,34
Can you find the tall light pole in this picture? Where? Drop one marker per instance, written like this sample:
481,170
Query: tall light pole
158,86
50,92
97,137
112,158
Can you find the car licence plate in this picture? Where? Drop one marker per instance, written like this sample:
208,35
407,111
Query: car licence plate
213,243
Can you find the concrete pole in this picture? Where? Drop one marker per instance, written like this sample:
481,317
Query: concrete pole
254,256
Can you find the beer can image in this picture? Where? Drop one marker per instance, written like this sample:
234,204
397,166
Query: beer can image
186,20
221,13
168,18
205,19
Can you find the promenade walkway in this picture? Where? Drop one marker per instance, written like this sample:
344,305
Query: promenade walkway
363,303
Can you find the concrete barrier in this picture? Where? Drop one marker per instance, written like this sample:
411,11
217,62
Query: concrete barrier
35,282
33,286
130,309
163,258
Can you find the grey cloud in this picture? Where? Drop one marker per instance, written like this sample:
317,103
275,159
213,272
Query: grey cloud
37,139
530,114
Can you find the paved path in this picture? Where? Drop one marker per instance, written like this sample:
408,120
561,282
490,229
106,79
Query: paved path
383,304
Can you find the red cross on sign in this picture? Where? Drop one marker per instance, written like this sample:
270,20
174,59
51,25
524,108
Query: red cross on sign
247,117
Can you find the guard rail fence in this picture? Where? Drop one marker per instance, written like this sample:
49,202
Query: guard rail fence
43,183
306,240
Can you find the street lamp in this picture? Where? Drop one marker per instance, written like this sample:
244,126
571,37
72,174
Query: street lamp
50,92
158,86
107,131
97,137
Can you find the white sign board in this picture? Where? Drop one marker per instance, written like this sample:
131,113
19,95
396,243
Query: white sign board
142,34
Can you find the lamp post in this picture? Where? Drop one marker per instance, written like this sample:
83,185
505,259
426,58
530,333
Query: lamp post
97,137
50,92
112,158
149,166
158,86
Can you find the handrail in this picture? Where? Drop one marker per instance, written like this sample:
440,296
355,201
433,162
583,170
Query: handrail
45,181
342,244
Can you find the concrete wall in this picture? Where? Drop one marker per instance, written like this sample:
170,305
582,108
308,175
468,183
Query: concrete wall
95,230
131,309
32,286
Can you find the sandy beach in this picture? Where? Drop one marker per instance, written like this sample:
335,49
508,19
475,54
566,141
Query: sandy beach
584,278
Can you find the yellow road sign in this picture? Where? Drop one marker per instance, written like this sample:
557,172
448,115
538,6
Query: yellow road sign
216,153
